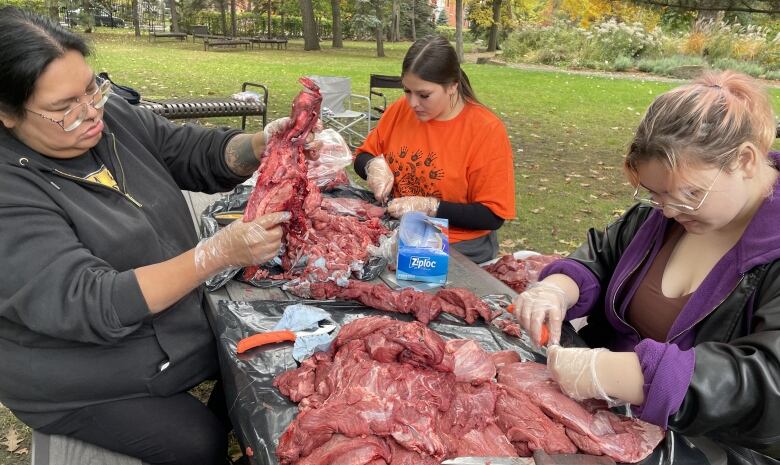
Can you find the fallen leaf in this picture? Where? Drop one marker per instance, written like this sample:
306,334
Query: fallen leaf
22,451
12,440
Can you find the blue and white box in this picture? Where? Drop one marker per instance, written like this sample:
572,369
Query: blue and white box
423,248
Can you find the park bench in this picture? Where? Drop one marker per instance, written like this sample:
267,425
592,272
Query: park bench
210,107
269,41
225,42
166,35
202,32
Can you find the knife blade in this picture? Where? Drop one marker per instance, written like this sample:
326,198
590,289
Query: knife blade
489,461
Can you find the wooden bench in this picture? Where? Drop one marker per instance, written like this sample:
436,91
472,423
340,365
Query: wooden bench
208,43
61,450
202,32
208,107
167,35
269,41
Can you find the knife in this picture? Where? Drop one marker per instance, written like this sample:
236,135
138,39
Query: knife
271,337
489,461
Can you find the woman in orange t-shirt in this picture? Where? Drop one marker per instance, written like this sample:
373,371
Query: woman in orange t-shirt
441,152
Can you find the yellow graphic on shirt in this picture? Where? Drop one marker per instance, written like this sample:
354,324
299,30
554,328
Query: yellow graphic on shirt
103,176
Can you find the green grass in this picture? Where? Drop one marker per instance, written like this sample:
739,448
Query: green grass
568,131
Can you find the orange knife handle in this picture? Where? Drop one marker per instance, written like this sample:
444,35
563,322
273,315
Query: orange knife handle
545,338
260,339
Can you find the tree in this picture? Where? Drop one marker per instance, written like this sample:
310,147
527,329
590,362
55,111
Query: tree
459,29
748,6
174,17
136,19
395,22
443,19
310,39
493,34
336,11
380,45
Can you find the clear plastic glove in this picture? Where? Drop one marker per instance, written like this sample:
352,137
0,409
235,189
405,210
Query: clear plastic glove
427,205
241,244
311,149
542,303
576,371
380,178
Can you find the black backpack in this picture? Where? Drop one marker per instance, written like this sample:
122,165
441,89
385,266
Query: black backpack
128,93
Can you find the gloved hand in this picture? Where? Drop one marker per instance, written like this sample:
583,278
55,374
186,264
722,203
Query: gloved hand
279,125
427,205
380,178
542,302
241,244
575,371
584,373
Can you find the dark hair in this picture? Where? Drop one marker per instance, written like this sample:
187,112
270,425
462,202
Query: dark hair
433,59
29,43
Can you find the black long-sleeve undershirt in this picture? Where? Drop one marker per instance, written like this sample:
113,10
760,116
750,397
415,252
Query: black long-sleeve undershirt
460,215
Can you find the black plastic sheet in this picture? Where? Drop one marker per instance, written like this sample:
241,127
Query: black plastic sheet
236,201
261,414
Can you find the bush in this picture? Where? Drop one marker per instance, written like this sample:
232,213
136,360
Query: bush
622,63
559,44
752,69
666,65
446,31
773,74
610,40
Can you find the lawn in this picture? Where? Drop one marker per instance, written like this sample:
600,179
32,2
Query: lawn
568,131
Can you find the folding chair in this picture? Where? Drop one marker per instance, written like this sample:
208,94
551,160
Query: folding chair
379,81
337,112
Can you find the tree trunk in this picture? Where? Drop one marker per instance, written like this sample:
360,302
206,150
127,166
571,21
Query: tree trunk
395,29
414,21
493,34
232,18
268,34
310,39
336,8
380,45
459,29
136,19
223,15
174,17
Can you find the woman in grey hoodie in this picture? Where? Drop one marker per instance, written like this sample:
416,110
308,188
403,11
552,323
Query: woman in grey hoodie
102,322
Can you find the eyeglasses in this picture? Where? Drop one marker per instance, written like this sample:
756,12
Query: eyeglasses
77,114
646,198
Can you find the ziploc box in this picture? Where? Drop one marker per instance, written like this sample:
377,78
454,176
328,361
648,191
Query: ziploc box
423,248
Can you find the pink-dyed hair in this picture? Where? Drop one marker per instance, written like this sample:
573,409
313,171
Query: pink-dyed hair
703,124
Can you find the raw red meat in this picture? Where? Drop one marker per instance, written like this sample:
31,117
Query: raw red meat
389,388
330,247
519,273
471,364
595,430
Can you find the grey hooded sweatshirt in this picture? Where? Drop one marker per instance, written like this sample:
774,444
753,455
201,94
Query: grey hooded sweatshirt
75,329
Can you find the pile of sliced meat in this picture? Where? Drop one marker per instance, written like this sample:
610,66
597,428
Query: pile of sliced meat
518,273
324,245
391,392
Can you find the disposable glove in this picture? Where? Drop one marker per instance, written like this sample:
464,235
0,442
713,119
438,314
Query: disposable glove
380,178
584,373
542,302
279,125
427,205
241,244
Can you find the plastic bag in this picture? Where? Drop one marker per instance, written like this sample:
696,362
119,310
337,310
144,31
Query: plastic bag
328,170
247,96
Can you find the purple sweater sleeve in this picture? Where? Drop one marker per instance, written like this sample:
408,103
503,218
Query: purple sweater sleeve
668,372
590,289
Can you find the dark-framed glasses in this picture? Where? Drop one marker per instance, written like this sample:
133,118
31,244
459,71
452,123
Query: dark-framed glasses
645,197
76,115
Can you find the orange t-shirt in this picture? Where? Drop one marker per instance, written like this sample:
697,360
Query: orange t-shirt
464,160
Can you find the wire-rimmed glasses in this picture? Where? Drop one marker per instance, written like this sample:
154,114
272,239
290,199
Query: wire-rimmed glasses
76,115
645,197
